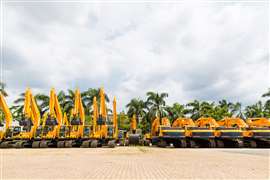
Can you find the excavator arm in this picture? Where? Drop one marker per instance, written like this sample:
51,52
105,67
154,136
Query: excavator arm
115,122
54,118
78,117
155,127
6,110
8,115
133,124
95,116
31,117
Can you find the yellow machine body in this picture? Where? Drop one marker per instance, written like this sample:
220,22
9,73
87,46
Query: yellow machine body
55,114
31,112
258,126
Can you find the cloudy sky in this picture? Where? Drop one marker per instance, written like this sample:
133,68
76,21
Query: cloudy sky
205,51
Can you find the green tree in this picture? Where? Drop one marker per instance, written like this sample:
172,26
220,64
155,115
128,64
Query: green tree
156,103
255,110
43,102
267,103
137,107
123,121
175,111
88,96
3,89
17,108
198,109
69,102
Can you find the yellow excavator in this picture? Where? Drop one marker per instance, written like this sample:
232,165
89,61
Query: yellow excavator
134,136
70,133
203,133
258,132
105,132
46,134
230,132
187,124
8,119
162,134
23,135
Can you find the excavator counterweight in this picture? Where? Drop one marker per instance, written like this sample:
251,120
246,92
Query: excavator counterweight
258,132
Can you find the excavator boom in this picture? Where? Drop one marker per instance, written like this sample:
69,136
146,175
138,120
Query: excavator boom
8,116
6,110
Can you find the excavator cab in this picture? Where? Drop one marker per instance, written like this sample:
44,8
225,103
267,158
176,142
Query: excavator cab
26,124
75,121
51,121
86,131
258,132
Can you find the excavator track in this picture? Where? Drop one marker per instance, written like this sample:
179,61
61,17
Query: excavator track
60,144
86,144
111,143
68,144
212,143
19,144
183,143
5,145
162,144
36,144
94,144
193,144
253,144
43,144
134,139
220,144
239,143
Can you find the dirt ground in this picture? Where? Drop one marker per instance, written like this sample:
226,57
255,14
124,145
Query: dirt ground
135,163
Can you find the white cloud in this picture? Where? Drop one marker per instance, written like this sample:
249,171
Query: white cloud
208,51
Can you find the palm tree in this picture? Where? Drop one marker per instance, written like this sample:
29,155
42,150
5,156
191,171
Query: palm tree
267,94
43,102
62,99
156,103
236,109
88,96
201,109
255,110
17,108
2,89
69,102
137,107
175,111
194,109
267,103
223,109
207,109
